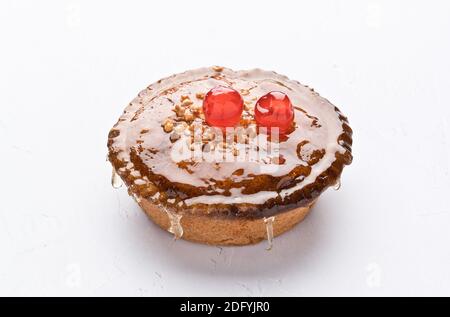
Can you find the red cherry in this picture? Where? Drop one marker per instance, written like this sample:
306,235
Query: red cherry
223,107
275,110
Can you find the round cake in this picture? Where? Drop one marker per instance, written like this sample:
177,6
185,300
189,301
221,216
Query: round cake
228,157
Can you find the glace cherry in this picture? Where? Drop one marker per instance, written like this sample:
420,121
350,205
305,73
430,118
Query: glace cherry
223,107
275,110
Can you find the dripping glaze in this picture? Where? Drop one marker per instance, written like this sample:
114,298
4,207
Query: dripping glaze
269,231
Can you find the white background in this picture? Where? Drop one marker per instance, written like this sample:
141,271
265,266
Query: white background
68,68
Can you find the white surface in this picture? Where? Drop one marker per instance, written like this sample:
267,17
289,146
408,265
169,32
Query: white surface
68,68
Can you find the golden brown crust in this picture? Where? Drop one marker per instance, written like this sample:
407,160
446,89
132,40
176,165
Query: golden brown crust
226,230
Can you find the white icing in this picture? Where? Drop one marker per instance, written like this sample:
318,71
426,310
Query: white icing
157,106
140,181
236,198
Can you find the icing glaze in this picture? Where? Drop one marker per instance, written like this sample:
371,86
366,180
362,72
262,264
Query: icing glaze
313,154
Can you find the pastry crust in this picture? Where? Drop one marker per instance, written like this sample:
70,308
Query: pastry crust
226,231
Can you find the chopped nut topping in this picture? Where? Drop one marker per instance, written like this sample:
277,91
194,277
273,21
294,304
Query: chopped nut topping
186,102
200,96
174,137
218,68
197,109
188,115
180,127
179,110
249,106
168,125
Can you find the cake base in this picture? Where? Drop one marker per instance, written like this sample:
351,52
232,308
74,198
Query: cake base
223,230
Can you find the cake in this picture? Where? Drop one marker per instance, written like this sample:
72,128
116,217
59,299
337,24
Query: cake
227,157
